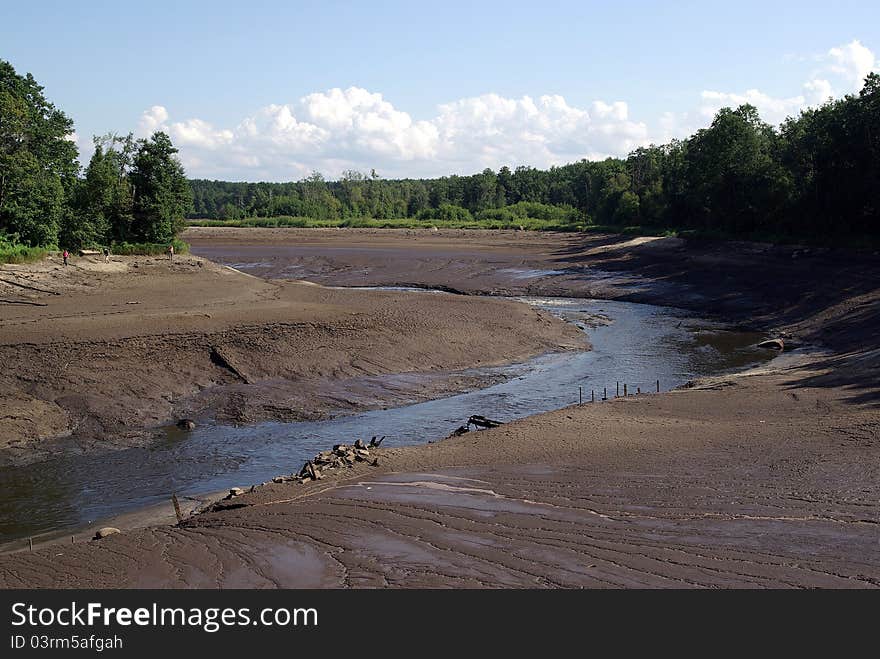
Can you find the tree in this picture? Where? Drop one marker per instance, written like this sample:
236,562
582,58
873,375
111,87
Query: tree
162,196
38,160
103,209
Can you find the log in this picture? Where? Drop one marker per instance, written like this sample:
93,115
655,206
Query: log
480,421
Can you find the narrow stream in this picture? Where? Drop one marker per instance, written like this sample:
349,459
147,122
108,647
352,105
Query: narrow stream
632,343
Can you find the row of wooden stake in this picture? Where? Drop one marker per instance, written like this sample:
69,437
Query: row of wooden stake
605,392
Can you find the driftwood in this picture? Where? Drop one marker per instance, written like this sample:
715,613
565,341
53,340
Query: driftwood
221,359
30,288
374,443
28,302
479,421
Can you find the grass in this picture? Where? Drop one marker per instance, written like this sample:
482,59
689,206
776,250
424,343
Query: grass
148,249
15,253
528,224
533,224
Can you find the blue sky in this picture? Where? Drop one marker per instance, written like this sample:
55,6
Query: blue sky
246,88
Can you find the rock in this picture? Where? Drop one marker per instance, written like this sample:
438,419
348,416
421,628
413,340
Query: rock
375,462
235,492
359,444
278,479
186,424
777,344
105,531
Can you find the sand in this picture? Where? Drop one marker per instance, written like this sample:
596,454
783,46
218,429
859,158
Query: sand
764,479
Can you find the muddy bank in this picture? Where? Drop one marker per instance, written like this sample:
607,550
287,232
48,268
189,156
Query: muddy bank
639,346
821,295
768,479
750,481
95,353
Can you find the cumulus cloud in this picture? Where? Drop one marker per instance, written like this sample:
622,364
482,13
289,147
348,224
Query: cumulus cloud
853,62
356,128
152,120
841,70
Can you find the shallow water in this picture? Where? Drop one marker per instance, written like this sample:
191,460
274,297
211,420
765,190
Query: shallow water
632,343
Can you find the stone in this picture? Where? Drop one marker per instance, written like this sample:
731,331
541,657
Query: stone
186,424
105,531
236,492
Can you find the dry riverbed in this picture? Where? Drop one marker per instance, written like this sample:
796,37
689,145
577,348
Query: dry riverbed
764,479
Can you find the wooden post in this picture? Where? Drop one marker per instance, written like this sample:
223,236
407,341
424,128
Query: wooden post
604,393
31,543
71,540
658,386
176,508
592,395
638,390
580,395
617,395
624,389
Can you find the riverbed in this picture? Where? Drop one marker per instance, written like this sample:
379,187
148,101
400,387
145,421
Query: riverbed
635,345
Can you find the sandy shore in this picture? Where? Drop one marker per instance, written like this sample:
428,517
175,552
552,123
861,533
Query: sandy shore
767,479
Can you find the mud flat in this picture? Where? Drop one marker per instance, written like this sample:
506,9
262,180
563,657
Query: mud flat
96,354
762,479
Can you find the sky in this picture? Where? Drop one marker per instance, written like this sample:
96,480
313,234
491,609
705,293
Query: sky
271,91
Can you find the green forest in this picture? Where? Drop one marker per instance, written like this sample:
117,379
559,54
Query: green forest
814,178
817,177
133,195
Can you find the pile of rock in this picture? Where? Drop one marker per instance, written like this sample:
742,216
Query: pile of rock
341,456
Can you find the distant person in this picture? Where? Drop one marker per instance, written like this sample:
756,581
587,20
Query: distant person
106,255
65,255
171,252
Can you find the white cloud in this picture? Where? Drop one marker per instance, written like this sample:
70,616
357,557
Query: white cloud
841,70
152,120
853,62
773,110
355,128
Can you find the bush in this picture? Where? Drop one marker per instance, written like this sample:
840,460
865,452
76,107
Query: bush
148,249
12,251
445,213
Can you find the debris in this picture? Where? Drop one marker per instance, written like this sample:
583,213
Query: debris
105,531
777,344
235,492
461,430
375,443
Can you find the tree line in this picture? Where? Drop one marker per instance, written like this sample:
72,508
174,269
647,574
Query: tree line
818,174
132,191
